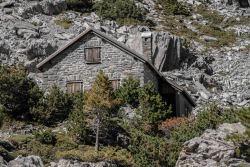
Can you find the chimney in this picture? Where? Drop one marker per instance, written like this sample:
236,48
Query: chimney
147,45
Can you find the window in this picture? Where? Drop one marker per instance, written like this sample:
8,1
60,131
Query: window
115,84
73,87
93,55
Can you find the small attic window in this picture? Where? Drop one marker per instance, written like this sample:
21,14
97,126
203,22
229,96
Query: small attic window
93,55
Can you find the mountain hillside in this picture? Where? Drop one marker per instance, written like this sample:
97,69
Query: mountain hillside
203,45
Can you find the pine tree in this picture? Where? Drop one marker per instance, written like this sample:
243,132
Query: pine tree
152,108
99,102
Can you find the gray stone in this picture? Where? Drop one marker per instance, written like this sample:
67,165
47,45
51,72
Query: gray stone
3,163
208,38
75,163
26,30
52,7
7,4
212,148
30,161
38,48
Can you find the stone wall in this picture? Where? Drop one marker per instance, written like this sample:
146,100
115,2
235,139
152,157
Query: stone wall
151,76
70,65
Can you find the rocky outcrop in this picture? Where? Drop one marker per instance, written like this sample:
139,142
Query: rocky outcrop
212,149
30,161
3,163
48,7
75,163
35,161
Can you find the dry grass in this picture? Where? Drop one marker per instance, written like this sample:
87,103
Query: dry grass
88,154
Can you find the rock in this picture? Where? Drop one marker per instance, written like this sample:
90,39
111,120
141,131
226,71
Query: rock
26,30
75,163
30,10
52,7
202,65
123,29
232,128
64,36
36,21
48,7
7,4
4,48
40,47
212,148
208,38
122,39
3,163
30,161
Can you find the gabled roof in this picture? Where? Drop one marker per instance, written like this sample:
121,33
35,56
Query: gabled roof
124,48
99,34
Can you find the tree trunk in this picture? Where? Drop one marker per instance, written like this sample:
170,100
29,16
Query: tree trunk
97,134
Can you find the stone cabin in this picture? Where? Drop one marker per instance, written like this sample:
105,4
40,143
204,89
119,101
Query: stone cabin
74,67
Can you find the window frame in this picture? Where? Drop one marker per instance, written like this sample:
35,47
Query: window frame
73,82
90,62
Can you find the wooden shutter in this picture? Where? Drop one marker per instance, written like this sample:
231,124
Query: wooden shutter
73,87
88,55
69,87
96,55
92,55
77,86
115,84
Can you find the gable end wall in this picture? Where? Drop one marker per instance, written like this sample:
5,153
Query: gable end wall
71,66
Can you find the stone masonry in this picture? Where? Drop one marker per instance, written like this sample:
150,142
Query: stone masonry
70,65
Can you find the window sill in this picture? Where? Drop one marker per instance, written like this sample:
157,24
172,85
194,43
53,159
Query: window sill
93,62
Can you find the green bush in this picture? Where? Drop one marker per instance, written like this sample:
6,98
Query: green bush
242,141
173,7
128,92
148,150
77,118
18,93
209,118
213,17
152,108
65,142
45,151
64,22
1,115
20,142
79,5
46,137
119,10
53,107
8,156
87,153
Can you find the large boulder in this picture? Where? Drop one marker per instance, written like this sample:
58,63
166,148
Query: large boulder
52,7
26,30
168,52
48,7
212,148
30,161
